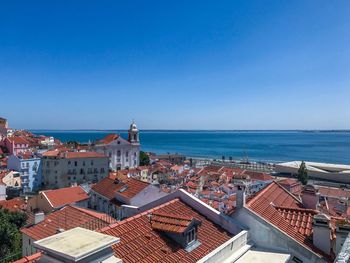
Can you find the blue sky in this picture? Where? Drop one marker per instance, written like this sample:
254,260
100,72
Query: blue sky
175,64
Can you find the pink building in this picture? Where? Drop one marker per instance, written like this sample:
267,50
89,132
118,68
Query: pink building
16,145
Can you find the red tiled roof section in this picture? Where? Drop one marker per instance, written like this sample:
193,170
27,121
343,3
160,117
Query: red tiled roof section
258,175
333,192
170,222
107,187
128,188
72,155
300,219
64,196
67,218
29,259
18,140
14,205
132,188
140,243
265,204
108,139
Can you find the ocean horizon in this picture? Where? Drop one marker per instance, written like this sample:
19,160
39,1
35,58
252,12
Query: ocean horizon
331,146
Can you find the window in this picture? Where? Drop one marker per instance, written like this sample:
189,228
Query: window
297,260
127,154
118,153
83,163
92,162
191,236
75,163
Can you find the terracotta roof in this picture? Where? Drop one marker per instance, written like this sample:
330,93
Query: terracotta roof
52,153
17,140
67,218
139,242
300,219
109,188
266,204
29,259
288,181
65,196
333,192
170,222
71,155
14,205
108,139
258,175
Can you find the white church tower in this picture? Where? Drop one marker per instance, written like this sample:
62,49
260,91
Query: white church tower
134,134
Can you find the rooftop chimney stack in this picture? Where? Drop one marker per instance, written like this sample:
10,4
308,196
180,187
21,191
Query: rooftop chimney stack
322,233
310,197
38,217
240,196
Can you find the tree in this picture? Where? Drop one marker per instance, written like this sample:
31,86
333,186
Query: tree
10,236
144,158
302,173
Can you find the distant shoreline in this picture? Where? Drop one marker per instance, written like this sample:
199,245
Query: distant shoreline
166,130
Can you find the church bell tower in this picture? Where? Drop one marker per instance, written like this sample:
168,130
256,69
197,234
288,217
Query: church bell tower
134,134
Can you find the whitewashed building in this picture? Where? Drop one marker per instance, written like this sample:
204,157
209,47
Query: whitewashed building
122,153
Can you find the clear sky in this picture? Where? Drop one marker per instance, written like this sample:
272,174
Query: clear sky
175,64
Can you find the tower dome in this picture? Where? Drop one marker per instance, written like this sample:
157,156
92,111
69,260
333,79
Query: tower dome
133,127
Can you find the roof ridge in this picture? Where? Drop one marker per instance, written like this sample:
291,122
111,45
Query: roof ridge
296,209
86,211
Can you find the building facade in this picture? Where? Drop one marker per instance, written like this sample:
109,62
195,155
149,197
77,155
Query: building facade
63,169
16,145
122,153
29,167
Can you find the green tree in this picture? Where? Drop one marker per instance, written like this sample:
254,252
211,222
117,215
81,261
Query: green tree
10,236
144,158
302,173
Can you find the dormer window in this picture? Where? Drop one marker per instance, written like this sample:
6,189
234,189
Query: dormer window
181,229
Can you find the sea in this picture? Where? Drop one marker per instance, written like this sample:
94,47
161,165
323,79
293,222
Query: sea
264,146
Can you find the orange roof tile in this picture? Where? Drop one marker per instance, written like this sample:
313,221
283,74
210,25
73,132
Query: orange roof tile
14,205
270,204
17,140
139,242
108,139
29,259
71,155
65,196
67,218
128,188
170,222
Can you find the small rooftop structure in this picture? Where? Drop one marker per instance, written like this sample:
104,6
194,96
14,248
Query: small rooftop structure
76,245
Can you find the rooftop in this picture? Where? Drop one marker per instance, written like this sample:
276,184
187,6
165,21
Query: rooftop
64,196
76,244
280,208
128,188
139,242
67,218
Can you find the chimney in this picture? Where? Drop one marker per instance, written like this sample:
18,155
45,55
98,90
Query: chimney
322,233
38,217
310,197
342,205
240,196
